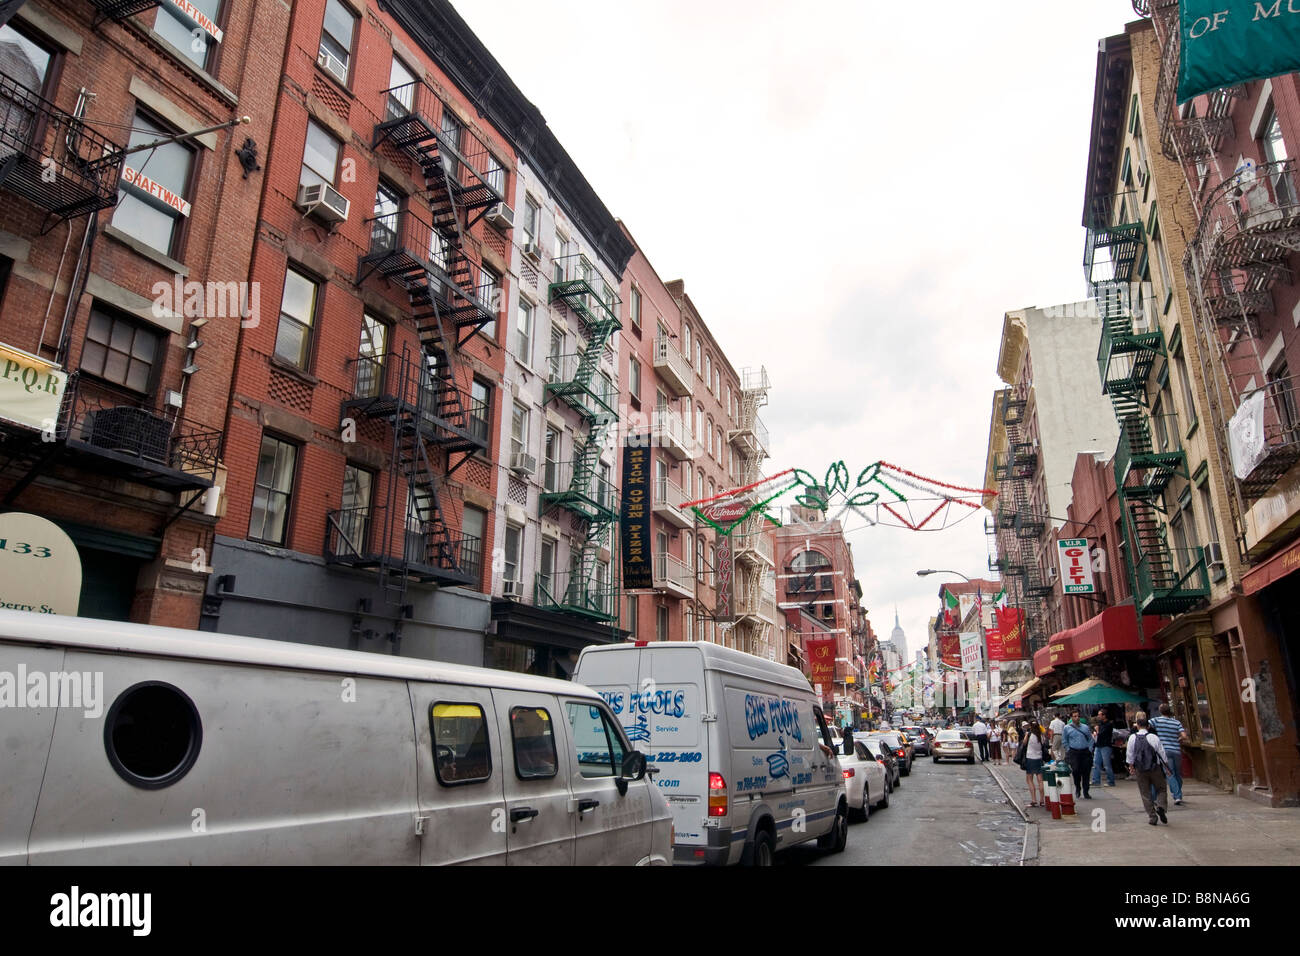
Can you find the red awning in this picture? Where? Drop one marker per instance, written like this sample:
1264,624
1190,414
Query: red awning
1042,663
1272,570
1114,629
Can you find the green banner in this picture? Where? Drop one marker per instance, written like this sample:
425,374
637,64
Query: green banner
1226,42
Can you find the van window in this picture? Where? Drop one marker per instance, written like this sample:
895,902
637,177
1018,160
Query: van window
821,727
533,736
461,753
152,735
600,752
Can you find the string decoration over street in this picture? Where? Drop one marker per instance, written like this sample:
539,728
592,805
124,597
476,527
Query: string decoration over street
882,493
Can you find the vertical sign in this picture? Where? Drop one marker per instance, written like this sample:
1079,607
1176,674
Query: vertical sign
726,609
972,651
821,659
1076,566
638,573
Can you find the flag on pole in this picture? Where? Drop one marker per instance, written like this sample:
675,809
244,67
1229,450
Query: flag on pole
951,606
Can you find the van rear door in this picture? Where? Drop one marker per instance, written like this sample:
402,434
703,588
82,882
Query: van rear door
666,708
462,764
533,729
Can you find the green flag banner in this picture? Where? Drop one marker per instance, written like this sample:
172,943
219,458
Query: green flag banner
1226,42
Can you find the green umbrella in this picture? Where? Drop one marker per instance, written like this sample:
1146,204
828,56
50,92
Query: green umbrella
1101,694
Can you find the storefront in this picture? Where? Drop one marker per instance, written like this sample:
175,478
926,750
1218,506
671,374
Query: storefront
529,640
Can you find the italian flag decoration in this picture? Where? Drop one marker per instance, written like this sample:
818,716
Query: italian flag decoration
950,609
999,603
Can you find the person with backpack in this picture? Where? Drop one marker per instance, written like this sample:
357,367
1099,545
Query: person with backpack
1147,761
1172,736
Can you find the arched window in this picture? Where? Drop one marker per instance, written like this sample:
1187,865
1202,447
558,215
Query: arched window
709,436
810,561
686,547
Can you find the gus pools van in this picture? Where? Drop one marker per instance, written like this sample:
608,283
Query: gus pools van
740,746
124,743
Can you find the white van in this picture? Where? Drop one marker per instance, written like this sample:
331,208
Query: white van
740,745
126,744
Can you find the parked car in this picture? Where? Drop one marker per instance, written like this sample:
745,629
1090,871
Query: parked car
865,781
883,754
311,755
920,739
903,750
741,746
953,745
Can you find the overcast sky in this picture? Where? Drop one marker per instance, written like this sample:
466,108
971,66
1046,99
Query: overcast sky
854,193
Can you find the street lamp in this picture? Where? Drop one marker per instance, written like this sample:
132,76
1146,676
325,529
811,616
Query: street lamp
921,574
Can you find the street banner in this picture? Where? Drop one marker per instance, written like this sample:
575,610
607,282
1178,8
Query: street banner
1009,644
821,658
1076,566
972,651
634,521
1227,42
950,650
31,389
726,591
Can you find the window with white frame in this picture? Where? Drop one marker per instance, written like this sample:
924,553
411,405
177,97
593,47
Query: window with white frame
634,307
151,203
513,549
524,331
519,430
634,380
320,157
337,33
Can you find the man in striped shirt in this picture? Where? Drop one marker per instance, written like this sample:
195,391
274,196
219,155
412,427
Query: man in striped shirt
1172,736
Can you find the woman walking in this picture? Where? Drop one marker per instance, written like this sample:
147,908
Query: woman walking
995,742
1032,748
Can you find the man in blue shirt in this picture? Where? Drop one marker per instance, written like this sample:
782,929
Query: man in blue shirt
1078,754
1172,736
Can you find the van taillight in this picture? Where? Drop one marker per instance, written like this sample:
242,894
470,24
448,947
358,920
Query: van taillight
848,773
717,795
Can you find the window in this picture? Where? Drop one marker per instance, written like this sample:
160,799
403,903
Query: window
560,256
1160,424
551,478
596,741
524,331
459,734
661,623
546,566
480,410
519,430
185,34
1162,262
152,735
698,363
1185,383
555,355
687,551
272,490
383,229
490,295
401,90
533,738
25,60
120,350
699,422
708,436
297,311
370,357
721,445
151,200
354,521
1273,149
634,307
530,221
336,37
633,610
514,548
1283,392
1185,535
634,380
603,598
320,157
708,371
473,526
1207,507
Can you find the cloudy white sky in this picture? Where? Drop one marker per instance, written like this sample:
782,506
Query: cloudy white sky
854,192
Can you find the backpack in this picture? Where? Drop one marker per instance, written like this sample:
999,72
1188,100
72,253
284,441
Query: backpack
1144,755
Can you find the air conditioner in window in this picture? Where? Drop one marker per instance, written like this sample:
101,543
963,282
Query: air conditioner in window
1214,560
333,65
323,202
1051,572
533,251
501,216
523,464
511,589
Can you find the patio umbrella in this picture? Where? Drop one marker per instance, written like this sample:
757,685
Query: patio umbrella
1078,686
1101,693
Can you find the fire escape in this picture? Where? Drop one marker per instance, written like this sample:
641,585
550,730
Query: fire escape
434,426
755,611
1164,580
1017,526
579,486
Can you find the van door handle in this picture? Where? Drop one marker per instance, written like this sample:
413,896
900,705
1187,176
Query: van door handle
522,813
585,805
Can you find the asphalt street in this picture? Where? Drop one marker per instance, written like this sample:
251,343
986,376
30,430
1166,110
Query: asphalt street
947,814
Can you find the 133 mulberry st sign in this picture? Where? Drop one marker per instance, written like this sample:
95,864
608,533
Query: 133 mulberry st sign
1226,42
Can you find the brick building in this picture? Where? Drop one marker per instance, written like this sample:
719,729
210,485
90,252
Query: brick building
121,274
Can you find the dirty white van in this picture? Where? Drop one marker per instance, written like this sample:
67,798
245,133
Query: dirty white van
129,744
740,744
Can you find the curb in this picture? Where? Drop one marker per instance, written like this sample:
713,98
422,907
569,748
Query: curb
1029,849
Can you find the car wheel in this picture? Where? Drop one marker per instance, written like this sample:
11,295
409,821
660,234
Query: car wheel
760,851
866,803
884,801
838,838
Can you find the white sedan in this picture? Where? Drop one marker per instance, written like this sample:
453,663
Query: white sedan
864,782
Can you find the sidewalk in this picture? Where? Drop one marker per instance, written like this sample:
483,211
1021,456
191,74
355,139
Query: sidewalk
1211,828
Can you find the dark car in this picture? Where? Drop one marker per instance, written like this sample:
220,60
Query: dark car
873,748
902,749
920,738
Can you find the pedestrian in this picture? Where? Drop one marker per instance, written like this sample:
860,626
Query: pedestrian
981,731
848,741
1012,738
1054,731
1172,736
1102,755
1146,760
995,743
1078,743
1030,756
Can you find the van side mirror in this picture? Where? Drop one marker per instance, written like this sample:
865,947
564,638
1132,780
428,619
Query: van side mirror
634,768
